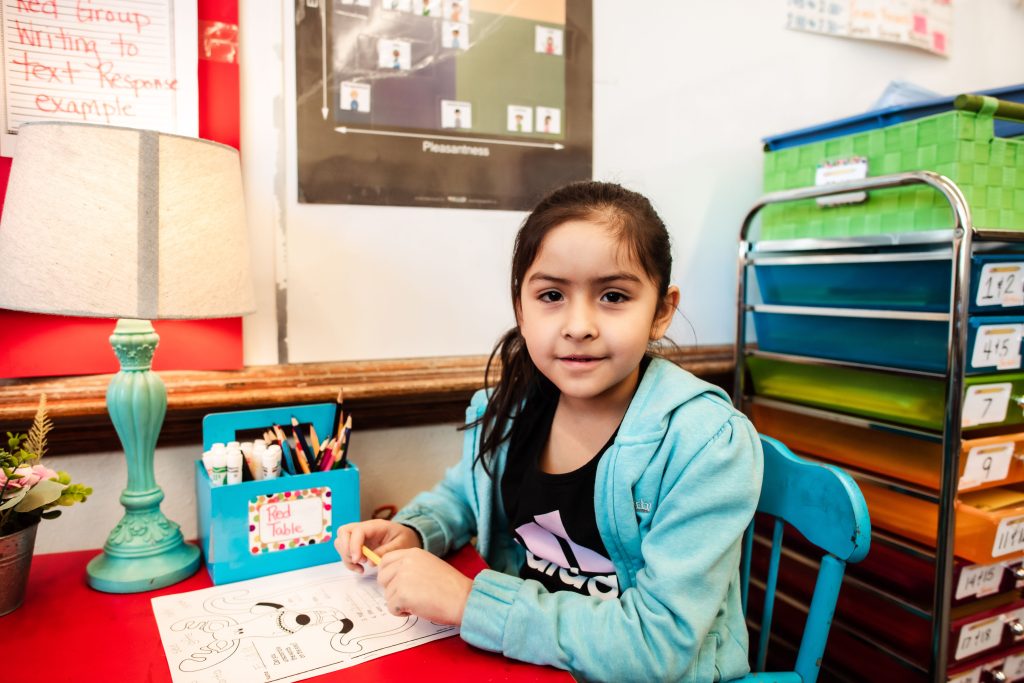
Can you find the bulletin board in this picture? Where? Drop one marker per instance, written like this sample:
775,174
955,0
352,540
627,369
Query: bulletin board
34,345
480,104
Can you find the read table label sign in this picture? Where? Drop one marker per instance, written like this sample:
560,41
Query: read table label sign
290,519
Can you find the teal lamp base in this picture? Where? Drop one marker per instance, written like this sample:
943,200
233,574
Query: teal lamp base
145,550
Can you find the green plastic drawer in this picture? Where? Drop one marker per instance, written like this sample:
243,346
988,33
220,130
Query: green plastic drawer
990,400
960,145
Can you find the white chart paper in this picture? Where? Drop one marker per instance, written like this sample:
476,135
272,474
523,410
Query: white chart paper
286,627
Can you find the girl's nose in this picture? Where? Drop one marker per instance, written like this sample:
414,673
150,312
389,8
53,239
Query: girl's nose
579,321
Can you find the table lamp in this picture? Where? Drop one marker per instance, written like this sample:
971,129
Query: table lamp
138,225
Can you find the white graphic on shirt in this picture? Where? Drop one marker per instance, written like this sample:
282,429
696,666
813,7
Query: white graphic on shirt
549,550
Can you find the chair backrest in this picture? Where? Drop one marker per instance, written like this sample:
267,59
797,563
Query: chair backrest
826,506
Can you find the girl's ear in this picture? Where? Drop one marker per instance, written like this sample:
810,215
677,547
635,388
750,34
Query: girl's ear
663,316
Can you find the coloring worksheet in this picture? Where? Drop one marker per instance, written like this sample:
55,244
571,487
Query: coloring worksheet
286,627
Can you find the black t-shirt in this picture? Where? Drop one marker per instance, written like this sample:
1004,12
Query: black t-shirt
552,515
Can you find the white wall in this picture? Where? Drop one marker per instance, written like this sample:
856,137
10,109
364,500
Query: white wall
683,93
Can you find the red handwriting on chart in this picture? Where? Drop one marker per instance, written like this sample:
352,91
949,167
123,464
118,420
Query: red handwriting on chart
97,61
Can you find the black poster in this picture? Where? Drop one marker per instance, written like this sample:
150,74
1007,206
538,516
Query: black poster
483,104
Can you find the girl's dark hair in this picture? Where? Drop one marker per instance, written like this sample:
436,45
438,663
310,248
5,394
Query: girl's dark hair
639,230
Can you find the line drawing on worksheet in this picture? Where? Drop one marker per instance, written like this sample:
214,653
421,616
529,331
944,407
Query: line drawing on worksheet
282,628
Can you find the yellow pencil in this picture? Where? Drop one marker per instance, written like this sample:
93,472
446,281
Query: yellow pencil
371,556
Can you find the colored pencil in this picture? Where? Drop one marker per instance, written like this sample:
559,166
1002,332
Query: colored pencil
344,442
301,447
286,450
339,413
313,441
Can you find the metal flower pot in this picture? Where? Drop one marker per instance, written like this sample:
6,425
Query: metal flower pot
15,560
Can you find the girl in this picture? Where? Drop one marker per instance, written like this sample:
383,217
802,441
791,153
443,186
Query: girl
607,489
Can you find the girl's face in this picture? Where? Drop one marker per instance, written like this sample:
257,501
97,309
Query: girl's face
587,313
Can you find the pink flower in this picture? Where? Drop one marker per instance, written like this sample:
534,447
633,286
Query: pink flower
30,476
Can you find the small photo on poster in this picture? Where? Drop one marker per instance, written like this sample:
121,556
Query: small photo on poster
548,40
427,8
397,5
549,120
456,10
456,114
520,119
356,96
455,35
395,55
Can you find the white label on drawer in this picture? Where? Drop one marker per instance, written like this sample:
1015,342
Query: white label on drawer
979,580
290,519
997,346
972,676
1001,284
841,171
1013,667
987,463
1009,536
978,637
986,403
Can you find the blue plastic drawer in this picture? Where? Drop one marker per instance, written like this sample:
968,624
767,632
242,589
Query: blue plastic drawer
914,344
881,282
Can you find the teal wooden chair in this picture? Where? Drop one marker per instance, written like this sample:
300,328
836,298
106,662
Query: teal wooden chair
825,505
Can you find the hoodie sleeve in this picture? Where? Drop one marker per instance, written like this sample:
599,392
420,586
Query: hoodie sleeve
444,516
658,626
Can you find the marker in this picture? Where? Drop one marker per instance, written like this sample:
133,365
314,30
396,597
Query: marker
371,556
254,458
272,462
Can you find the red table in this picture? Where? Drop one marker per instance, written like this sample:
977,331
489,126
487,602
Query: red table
64,628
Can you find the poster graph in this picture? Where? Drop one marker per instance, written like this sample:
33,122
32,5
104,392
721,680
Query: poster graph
464,103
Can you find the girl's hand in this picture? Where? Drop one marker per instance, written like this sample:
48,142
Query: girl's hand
416,582
380,535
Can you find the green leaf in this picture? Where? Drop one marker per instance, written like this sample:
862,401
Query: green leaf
51,514
43,493
14,499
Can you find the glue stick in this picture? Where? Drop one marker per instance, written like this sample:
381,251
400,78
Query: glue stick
208,464
234,466
219,466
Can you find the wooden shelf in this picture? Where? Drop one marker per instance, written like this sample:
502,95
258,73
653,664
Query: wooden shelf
379,394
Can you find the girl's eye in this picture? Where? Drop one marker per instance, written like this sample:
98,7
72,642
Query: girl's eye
551,296
615,297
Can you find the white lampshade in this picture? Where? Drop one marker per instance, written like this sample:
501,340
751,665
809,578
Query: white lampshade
123,223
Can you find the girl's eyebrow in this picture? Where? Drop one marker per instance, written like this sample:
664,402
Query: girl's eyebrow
615,277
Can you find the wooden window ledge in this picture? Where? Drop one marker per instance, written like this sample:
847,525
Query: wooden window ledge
379,394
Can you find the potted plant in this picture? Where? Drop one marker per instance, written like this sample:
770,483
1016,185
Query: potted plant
29,492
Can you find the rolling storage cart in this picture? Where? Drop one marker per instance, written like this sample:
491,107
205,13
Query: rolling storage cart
898,357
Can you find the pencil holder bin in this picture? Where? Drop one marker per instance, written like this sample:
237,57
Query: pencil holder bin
268,526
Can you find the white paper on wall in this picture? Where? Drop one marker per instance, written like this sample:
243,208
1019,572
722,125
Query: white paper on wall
924,24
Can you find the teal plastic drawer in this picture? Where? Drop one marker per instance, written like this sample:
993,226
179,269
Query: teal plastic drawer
883,282
916,341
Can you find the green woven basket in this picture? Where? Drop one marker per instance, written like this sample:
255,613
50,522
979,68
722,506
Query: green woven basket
958,144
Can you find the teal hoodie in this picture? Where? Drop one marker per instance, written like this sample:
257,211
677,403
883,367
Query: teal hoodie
673,495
